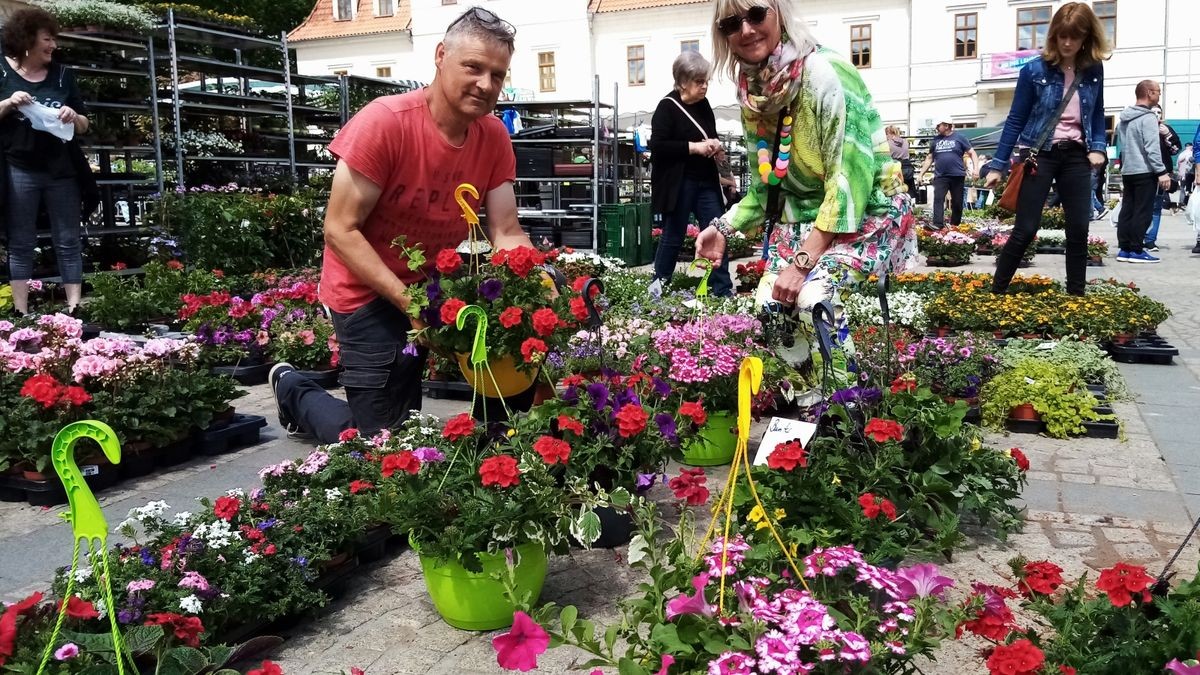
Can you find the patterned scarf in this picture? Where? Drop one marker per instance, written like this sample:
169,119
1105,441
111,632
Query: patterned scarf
766,88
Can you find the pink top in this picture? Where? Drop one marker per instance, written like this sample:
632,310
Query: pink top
1070,127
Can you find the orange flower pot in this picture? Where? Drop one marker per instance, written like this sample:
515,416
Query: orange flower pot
508,381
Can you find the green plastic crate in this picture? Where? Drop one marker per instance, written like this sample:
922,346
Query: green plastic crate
645,224
612,227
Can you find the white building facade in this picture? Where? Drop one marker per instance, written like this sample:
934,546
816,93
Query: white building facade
922,59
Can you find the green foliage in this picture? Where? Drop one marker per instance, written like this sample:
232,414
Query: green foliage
1091,362
240,233
1056,392
130,303
110,15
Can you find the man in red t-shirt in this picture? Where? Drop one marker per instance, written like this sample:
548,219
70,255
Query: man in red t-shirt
399,161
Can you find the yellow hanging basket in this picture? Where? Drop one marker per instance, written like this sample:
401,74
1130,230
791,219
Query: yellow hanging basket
504,380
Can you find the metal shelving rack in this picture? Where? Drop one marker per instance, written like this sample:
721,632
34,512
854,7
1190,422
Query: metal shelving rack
604,184
242,104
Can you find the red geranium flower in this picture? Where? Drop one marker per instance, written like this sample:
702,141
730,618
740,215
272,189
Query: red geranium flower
510,317
186,628
450,310
8,624
118,266
458,427
227,507
1019,658
348,435
869,508
888,508
1020,458
884,430
532,349
787,456
500,470
631,420
568,423
579,309
1066,670
689,486
42,388
76,396
1040,577
553,450
267,668
545,321
695,411
448,261
1121,580
401,461
358,486
572,380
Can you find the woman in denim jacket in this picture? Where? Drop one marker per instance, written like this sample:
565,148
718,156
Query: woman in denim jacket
1075,47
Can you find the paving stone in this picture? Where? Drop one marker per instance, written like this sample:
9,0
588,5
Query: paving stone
1075,539
1084,479
1124,536
1137,553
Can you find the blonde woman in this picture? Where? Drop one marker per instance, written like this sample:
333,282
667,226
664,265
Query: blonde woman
824,167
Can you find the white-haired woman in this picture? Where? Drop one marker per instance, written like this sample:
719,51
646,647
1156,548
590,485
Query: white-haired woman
684,177
825,173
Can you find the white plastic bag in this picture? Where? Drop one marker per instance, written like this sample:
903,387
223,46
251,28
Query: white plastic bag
44,118
1114,213
1192,213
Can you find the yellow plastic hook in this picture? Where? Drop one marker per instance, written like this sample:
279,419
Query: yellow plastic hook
469,214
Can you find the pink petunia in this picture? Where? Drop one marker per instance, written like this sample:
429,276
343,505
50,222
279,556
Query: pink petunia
692,604
519,648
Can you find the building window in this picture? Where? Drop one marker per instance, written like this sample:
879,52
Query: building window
1032,25
860,45
343,10
546,71
1107,13
1110,129
966,125
385,7
965,35
383,71
689,46
340,71
635,56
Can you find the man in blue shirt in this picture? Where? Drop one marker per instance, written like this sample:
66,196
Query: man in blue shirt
946,152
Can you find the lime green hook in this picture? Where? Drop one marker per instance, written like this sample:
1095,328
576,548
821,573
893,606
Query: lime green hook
749,382
479,346
702,289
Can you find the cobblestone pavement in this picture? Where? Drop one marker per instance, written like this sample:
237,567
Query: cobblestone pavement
1091,502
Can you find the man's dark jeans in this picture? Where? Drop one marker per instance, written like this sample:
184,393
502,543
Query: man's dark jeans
953,185
1069,169
1137,209
704,201
383,383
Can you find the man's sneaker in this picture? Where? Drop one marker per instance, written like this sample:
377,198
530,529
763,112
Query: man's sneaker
1151,247
289,425
1196,248
1099,215
1141,257
1123,256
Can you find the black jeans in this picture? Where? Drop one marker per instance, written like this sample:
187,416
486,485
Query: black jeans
703,200
382,382
953,184
1070,171
1140,190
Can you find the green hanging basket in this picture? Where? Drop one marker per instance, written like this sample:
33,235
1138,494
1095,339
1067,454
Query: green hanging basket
475,601
715,443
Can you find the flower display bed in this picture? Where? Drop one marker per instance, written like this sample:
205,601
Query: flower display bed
241,431
247,375
50,492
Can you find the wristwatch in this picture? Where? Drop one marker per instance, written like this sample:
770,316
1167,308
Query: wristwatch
803,260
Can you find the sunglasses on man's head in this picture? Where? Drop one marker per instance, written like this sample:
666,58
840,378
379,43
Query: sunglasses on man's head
733,24
485,17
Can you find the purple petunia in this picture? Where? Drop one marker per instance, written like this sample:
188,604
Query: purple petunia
490,289
598,391
433,291
666,426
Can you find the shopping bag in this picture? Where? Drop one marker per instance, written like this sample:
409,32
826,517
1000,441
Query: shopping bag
1192,213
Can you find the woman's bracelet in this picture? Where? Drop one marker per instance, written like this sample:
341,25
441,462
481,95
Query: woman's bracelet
722,227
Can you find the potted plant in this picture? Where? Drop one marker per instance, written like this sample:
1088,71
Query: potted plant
525,320
471,504
1097,250
1057,393
1001,239
749,274
305,339
945,248
956,366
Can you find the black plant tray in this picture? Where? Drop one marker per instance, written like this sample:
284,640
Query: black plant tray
1102,429
241,431
247,375
973,416
138,464
458,391
327,379
50,492
1154,351
176,453
1052,250
1095,263
1025,426
372,544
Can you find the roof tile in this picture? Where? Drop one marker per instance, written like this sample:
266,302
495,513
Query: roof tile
604,6
320,24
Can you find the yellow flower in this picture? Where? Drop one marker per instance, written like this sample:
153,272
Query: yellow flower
975,444
756,513
512,432
780,514
836,481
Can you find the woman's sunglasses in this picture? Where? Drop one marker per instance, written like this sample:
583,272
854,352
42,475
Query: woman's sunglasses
733,24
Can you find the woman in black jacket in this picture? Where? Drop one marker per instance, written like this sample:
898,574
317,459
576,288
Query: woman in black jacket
684,153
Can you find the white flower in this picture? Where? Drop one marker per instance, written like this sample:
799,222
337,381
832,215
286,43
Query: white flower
181,518
333,495
218,534
83,574
191,604
235,492
151,510
251,556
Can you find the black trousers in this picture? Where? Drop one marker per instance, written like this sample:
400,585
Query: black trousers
382,382
1069,170
953,185
1137,210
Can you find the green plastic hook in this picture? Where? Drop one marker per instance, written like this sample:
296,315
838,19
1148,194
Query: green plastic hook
87,521
749,383
702,289
479,346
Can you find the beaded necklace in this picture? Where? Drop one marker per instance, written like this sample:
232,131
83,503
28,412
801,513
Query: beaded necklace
783,155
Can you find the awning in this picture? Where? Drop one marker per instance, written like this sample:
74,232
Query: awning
983,139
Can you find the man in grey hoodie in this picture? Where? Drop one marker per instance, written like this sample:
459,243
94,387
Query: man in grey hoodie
1143,172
